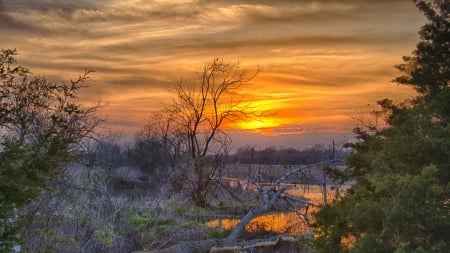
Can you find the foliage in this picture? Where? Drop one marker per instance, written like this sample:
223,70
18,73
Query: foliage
190,209
400,199
153,229
41,125
217,234
155,150
107,236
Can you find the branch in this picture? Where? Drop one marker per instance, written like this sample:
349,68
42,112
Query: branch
269,201
287,174
291,198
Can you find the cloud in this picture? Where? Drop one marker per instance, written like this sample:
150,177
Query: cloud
310,52
285,130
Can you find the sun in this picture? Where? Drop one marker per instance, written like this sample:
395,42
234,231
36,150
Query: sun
257,124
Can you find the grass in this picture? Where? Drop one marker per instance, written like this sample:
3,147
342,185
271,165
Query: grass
217,234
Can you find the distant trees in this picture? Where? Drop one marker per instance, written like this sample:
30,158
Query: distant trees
285,156
41,128
159,147
400,200
150,153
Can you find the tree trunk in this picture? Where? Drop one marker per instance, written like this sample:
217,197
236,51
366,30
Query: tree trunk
199,194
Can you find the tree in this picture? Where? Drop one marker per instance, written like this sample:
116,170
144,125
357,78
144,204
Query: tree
81,213
158,147
198,113
400,199
41,127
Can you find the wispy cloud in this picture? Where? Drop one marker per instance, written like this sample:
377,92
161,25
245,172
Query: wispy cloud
314,53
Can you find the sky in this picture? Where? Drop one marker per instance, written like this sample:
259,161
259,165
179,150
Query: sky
321,63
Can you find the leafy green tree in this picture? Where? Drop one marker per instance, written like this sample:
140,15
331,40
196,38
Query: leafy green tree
41,127
400,199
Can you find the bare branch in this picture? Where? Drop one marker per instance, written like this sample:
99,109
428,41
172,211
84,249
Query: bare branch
199,112
270,200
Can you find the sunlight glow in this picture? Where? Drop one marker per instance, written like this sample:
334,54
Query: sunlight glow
257,124
280,223
317,63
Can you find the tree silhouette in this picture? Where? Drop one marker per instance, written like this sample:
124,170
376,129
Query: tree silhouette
198,113
41,127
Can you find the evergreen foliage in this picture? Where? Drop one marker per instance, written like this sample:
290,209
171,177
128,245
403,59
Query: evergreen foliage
41,124
400,199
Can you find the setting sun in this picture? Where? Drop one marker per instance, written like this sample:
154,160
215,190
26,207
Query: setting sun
313,71
256,124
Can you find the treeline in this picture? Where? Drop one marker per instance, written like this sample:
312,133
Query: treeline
287,156
152,158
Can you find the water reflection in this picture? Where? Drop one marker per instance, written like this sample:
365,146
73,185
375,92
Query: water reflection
280,223
284,222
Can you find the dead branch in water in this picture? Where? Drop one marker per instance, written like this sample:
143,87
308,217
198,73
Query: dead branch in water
271,194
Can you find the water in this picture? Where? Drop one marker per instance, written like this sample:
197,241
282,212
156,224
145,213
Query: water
290,222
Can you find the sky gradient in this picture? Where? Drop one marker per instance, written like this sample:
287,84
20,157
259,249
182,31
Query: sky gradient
321,62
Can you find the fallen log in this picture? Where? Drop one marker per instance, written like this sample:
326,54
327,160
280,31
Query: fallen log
188,247
249,246
222,246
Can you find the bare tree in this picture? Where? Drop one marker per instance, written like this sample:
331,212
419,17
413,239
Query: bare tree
199,112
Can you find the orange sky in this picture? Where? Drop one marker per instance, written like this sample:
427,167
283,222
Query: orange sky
321,61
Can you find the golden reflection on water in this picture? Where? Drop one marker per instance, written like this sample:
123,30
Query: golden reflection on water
281,222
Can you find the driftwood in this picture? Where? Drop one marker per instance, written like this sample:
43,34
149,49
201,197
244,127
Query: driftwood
188,247
271,243
222,246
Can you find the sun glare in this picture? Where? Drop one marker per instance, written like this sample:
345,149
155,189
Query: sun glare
256,124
